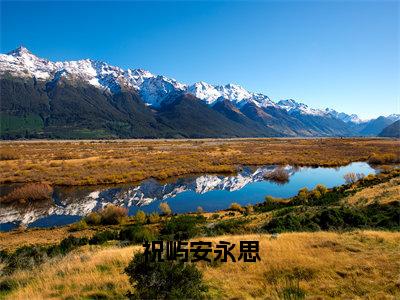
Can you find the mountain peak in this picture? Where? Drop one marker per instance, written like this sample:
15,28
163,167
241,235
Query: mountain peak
21,50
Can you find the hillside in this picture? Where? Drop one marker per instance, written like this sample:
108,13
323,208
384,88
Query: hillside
393,130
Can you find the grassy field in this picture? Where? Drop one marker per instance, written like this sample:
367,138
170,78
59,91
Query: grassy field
362,264
121,161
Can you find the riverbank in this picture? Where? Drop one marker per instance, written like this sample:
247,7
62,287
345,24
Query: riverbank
127,161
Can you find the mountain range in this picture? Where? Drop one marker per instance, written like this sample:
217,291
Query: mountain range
92,99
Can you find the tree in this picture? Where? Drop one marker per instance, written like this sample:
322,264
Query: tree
164,280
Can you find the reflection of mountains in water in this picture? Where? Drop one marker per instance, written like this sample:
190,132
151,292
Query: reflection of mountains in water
79,201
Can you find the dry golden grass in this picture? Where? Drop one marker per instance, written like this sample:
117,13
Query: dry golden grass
28,192
358,264
90,272
102,162
364,264
16,238
383,193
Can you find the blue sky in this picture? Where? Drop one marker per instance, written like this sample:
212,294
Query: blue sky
343,55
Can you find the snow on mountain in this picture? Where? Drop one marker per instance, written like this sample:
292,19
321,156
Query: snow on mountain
152,88
233,92
291,106
353,118
22,63
204,91
262,100
393,117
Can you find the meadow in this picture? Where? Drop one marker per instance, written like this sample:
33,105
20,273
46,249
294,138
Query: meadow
360,264
122,161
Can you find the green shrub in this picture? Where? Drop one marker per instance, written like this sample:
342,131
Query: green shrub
291,222
231,226
315,194
80,225
103,236
214,216
164,280
182,227
136,234
293,291
236,207
302,196
70,243
270,203
27,257
7,285
3,255
154,218
376,216
140,217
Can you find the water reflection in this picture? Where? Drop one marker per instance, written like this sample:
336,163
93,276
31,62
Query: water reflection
211,192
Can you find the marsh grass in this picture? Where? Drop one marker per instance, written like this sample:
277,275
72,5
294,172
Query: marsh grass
110,162
28,192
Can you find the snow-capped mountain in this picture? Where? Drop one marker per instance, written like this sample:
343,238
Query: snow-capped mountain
393,117
353,118
154,89
129,103
291,106
233,92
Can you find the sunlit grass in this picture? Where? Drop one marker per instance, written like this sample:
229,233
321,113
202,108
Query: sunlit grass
360,264
105,162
